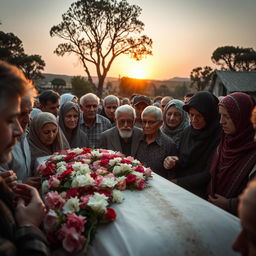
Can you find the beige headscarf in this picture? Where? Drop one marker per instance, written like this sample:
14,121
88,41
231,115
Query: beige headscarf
37,148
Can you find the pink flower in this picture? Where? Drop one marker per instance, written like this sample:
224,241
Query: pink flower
102,171
148,172
73,241
50,221
54,182
121,185
84,200
98,180
130,178
77,222
140,184
54,201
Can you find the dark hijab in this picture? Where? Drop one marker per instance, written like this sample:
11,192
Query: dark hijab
197,146
236,154
78,137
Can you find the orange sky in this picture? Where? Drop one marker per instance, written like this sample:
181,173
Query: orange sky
184,33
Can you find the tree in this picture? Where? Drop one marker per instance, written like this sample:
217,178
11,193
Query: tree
80,86
98,31
235,58
129,86
163,90
12,51
58,83
180,91
201,77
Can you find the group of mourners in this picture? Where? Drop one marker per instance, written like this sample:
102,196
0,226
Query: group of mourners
202,144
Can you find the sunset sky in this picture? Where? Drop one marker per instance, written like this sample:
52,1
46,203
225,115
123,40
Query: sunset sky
184,33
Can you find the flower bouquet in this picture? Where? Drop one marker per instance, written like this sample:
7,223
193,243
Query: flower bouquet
78,186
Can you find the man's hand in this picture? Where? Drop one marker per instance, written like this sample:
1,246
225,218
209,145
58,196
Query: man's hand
170,162
10,178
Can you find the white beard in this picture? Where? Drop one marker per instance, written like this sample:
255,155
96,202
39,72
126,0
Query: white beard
125,134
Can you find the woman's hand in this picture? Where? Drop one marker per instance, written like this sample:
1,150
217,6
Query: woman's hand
219,201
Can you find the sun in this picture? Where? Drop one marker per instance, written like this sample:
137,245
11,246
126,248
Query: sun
138,72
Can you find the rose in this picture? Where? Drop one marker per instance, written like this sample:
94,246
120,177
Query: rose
140,184
76,222
148,172
104,161
130,178
117,196
72,192
73,241
54,201
84,201
72,205
98,202
54,182
126,161
50,221
121,185
65,174
82,181
69,157
139,169
109,215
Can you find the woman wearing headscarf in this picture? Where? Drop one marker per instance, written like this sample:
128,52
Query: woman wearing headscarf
175,120
69,120
197,144
45,137
66,97
235,157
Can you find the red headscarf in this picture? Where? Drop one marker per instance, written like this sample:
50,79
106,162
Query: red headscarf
236,154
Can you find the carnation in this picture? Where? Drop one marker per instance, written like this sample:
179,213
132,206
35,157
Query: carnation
61,163
98,202
61,169
115,161
82,181
76,150
117,196
72,205
109,182
57,157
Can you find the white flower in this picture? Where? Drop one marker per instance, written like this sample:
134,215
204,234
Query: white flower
58,157
109,182
96,153
45,187
98,202
136,162
76,150
82,180
115,161
121,178
81,168
126,167
117,170
138,174
61,169
72,205
117,196
59,164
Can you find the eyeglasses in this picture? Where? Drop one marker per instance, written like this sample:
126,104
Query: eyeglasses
149,122
123,121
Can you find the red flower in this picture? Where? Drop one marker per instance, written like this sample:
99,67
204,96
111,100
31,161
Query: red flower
139,169
126,161
110,214
65,174
72,192
48,170
130,178
104,161
69,157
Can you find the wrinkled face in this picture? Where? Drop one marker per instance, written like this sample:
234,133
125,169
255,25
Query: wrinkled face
10,128
197,120
226,122
24,118
48,134
125,123
71,119
110,109
139,108
164,102
90,108
245,242
51,107
150,125
173,117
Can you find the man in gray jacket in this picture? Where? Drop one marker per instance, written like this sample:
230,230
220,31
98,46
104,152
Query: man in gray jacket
125,136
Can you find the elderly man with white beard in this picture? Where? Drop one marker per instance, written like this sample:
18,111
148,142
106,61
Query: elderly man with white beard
125,136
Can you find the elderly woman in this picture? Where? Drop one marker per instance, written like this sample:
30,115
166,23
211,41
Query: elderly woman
69,120
175,120
235,157
155,146
45,137
66,97
197,144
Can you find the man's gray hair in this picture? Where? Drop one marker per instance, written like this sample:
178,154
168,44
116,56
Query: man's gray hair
153,110
110,99
125,109
89,95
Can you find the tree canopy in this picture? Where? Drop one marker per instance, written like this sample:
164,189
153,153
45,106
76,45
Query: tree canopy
80,86
12,51
200,77
235,58
98,31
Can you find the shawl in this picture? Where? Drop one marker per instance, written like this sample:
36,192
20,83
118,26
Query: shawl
175,133
236,154
37,148
197,146
66,97
78,137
